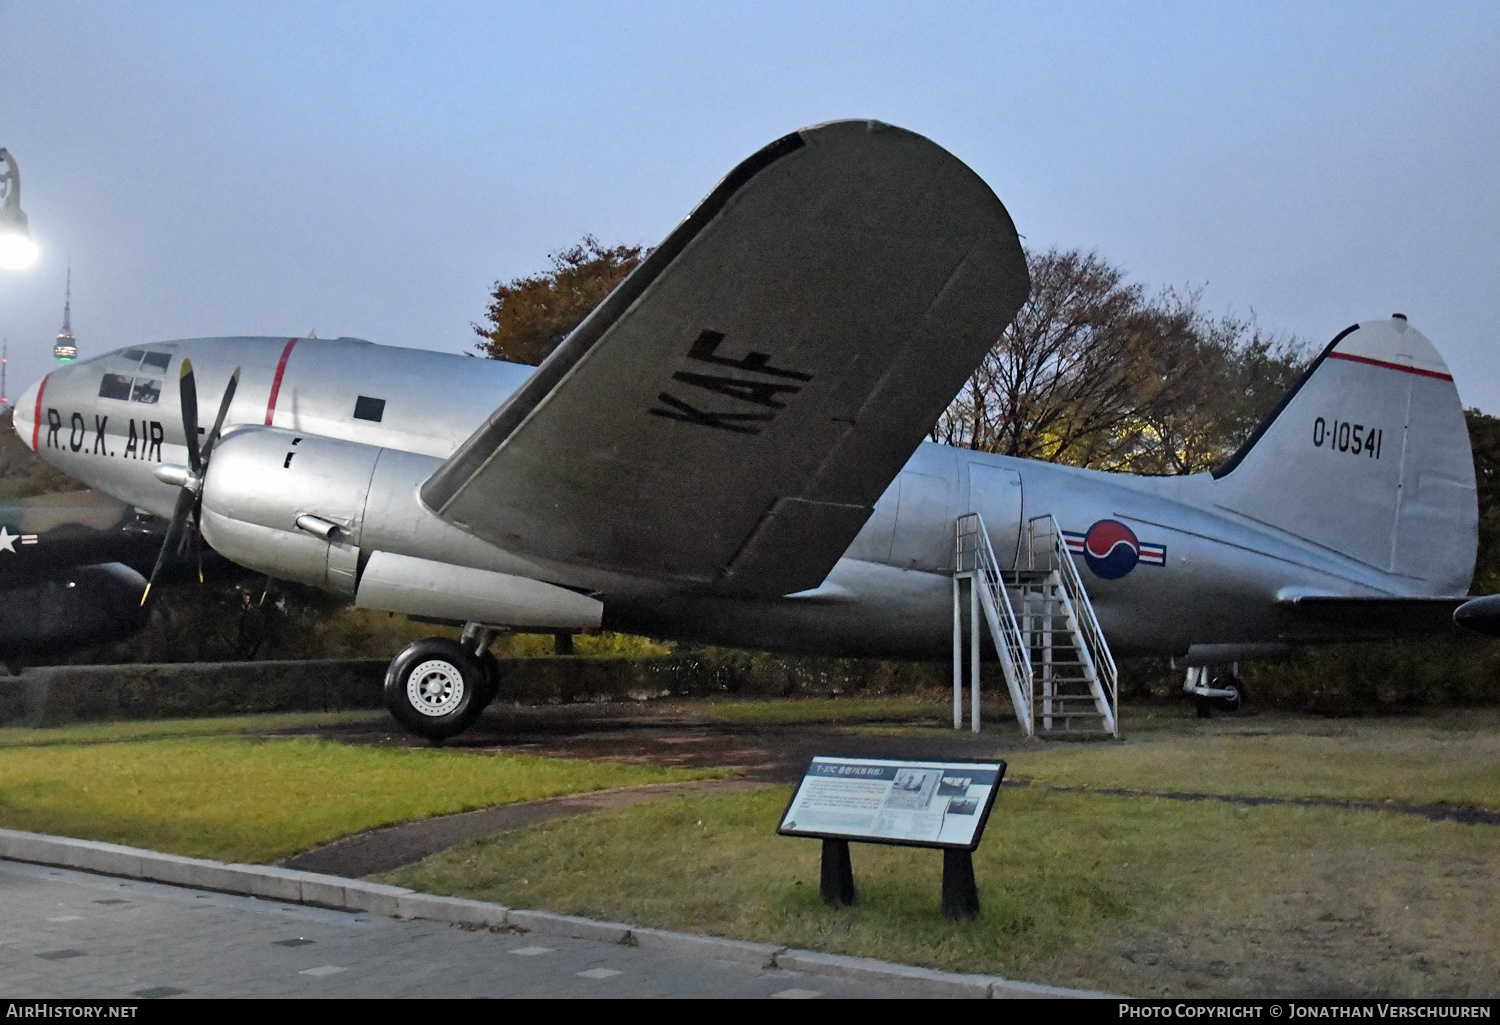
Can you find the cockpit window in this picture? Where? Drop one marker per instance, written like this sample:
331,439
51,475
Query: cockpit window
124,388
114,386
156,361
132,355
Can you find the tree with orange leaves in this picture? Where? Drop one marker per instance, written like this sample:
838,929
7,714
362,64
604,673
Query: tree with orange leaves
528,317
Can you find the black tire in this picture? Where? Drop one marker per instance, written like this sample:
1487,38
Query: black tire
1234,704
491,666
435,688
1205,708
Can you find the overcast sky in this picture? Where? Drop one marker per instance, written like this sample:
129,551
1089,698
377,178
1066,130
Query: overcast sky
370,169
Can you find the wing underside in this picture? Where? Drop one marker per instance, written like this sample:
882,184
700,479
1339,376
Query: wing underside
729,415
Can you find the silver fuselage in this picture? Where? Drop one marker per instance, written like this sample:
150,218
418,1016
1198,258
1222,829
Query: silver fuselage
1211,575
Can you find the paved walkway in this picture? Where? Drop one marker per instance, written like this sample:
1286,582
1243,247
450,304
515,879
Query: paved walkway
381,850
72,934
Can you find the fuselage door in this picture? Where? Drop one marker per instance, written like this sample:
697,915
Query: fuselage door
924,523
995,494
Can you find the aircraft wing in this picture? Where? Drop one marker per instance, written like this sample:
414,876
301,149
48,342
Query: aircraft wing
729,415
1315,617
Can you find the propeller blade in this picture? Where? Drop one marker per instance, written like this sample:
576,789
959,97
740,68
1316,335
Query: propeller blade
187,389
213,435
185,500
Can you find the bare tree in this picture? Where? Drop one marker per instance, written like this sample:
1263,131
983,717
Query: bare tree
1093,372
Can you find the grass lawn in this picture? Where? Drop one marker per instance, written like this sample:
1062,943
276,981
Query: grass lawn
1141,896
1438,758
258,800
150,729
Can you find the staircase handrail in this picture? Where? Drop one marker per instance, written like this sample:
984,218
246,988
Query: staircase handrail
1014,655
1096,650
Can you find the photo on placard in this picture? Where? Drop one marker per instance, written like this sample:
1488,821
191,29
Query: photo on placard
912,789
963,806
954,786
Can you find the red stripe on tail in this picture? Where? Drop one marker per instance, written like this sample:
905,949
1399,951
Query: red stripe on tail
1390,366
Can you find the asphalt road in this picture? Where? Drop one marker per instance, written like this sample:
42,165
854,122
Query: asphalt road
68,934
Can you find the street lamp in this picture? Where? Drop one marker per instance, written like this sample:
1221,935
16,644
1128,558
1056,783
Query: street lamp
17,251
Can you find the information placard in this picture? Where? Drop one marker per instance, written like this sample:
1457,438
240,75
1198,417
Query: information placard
919,804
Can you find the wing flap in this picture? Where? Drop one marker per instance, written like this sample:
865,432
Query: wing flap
1337,617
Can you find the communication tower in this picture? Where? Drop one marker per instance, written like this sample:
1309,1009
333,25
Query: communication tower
66,346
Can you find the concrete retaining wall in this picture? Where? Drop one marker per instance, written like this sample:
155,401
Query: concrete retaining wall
51,695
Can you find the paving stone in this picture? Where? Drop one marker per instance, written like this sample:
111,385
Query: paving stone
157,992
221,945
328,969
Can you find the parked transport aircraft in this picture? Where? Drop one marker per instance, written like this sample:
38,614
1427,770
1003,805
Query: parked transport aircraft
730,450
68,573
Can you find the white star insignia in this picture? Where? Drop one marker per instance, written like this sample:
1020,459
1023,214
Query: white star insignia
8,540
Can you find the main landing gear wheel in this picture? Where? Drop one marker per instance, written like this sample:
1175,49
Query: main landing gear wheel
436,688
491,666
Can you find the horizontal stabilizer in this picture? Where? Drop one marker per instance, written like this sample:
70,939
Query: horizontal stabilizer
729,415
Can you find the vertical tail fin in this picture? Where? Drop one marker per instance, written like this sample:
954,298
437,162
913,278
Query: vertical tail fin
1369,456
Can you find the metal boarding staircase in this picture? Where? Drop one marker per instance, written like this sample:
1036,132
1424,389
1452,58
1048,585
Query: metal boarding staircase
1059,671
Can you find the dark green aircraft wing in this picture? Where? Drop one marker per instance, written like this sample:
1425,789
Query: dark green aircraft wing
729,415
1337,617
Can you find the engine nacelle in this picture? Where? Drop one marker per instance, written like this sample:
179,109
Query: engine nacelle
262,479
301,506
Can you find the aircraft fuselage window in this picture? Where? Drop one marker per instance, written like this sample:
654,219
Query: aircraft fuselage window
156,361
366,408
119,386
133,355
147,389
114,386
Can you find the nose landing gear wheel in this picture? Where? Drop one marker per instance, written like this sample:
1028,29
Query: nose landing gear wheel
436,688
1234,704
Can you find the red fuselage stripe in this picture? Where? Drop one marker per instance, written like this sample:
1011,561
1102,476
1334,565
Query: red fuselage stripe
1390,366
36,419
286,354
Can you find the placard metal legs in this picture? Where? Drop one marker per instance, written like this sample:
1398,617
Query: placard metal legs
960,894
837,884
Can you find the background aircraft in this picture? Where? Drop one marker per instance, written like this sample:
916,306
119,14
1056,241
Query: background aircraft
71,572
729,449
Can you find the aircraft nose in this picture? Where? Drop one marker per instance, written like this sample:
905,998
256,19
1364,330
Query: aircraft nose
23,419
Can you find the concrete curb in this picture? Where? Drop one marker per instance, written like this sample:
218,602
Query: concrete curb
295,887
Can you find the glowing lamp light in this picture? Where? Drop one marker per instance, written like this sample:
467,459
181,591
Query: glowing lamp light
17,251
